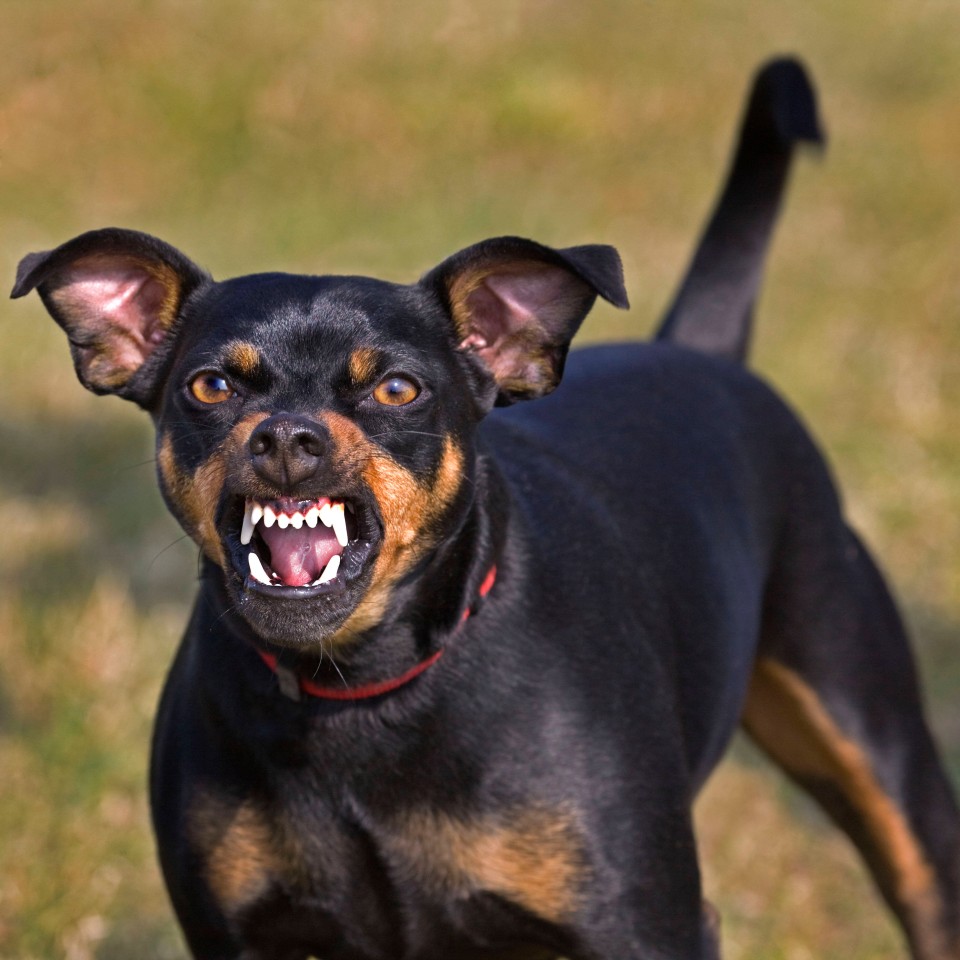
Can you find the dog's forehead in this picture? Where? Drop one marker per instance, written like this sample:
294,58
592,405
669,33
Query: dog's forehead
328,313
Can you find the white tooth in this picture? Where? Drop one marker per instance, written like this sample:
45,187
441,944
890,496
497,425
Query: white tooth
296,521
246,529
312,517
326,514
283,521
339,524
256,569
256,514
330,571
269,517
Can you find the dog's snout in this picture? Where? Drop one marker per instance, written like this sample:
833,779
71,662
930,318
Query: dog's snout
286,450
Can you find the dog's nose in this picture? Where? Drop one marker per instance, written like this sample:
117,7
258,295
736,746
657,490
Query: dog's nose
287,449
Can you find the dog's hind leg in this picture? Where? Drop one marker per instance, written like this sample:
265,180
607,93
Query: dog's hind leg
834,700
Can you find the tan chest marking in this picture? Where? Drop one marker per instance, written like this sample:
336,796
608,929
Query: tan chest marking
238,850
535,860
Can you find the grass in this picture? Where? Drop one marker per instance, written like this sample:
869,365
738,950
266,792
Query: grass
378,138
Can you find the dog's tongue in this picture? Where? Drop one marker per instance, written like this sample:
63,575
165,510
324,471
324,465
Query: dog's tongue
298,557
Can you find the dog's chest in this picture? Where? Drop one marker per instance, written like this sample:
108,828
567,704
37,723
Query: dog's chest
413,883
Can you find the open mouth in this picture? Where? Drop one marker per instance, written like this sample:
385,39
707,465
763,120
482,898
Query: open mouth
303,547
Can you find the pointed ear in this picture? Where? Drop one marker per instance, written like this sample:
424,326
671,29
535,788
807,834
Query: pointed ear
516,305
117,294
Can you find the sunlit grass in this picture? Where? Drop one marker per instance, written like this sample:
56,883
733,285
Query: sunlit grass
379,138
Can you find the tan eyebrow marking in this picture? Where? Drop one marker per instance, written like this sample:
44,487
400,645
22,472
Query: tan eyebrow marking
243,357
363,365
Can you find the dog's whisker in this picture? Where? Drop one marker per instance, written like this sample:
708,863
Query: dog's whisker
337,668
136,466
169,546
406,432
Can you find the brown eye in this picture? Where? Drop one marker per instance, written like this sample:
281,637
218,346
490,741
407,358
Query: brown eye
396,391
211,388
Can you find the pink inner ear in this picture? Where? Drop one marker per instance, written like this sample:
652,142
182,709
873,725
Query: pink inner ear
123,306
526,295
505,303
487,319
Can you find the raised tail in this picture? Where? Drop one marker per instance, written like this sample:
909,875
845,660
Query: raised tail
713,309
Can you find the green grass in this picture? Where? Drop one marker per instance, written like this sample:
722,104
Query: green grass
378,138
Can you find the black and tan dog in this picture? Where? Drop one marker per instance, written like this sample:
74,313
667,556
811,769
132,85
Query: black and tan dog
456,674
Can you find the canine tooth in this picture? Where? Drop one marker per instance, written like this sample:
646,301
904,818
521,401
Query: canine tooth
296,521
326,514
283,521
256,569
339,524
246,529
256,514
330,571
269,516
312,516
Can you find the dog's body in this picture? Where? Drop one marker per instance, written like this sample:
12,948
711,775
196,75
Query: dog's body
481,735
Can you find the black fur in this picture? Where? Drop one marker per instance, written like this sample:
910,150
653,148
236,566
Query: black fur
669,549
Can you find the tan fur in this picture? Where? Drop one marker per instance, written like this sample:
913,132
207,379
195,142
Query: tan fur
449,475
534,857
408,507
459,294
242,357
786,717
363,365
237,849
168,278
196,495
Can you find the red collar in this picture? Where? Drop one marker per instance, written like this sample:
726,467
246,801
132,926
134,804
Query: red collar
293,685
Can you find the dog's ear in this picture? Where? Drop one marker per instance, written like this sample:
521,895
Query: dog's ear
517,304
117,294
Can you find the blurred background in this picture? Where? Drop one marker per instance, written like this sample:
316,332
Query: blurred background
377,138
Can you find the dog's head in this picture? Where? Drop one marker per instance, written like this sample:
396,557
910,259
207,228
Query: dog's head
315,435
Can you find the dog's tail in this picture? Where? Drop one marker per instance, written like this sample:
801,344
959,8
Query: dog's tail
713,309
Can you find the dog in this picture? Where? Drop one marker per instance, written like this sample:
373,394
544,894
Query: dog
459,664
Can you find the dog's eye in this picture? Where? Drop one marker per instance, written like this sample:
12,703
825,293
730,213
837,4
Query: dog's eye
211,388
396,391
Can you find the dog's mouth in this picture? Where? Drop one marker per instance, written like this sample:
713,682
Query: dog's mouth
301,548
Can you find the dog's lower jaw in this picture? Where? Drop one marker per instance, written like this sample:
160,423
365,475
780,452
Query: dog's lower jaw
303,620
